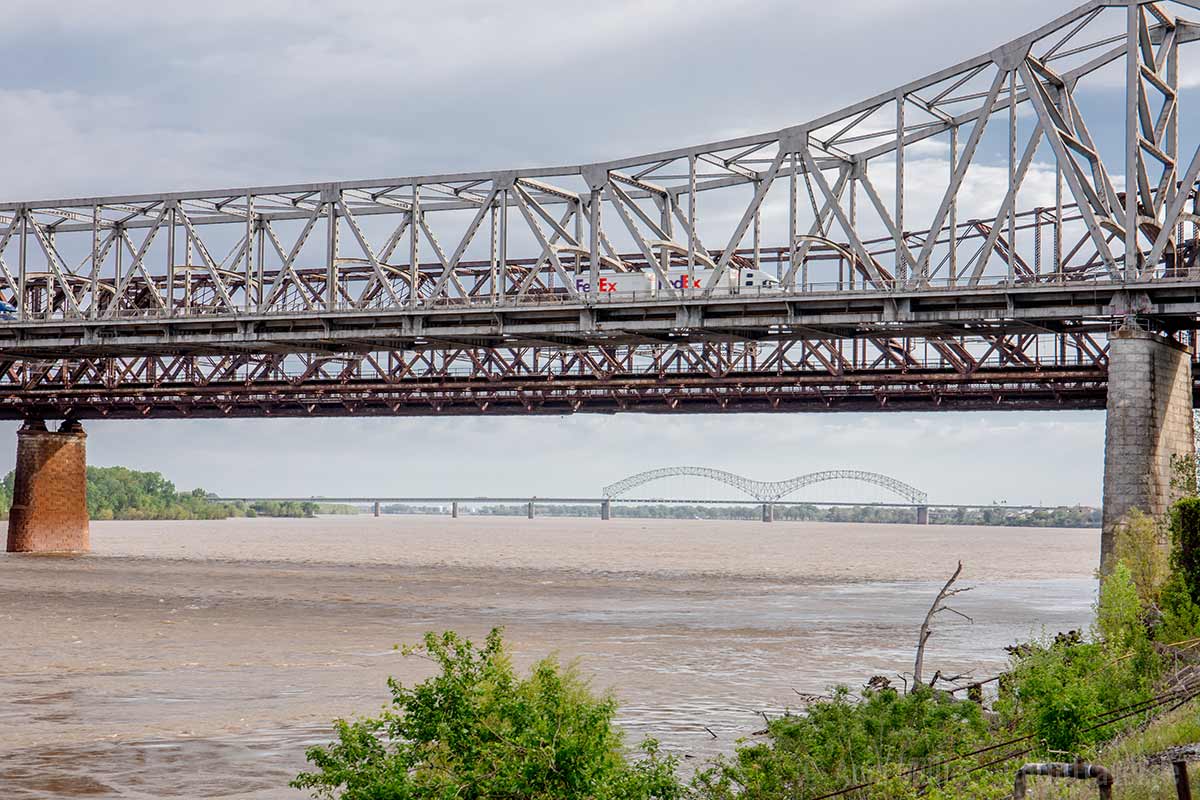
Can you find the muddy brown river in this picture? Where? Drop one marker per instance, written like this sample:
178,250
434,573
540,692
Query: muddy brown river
199,659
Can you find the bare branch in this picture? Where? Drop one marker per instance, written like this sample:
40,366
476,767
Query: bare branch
938,606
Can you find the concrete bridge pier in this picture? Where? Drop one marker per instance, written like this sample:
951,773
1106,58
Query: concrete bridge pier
377,509
922,515
454,509
1148,427
768,512
49,511
606,510
530,509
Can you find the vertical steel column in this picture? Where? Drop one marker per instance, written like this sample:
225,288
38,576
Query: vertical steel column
171,232
1133,86
901,262
503,243
953,209
331,254
248,292
94,307
22,250
1012,176
691,265
414,242
792,210
594,244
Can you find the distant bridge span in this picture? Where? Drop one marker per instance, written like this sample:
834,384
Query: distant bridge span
770,491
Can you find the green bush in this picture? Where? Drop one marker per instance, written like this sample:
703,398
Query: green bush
1056,690
478,730
1138,546
842,742
1185,544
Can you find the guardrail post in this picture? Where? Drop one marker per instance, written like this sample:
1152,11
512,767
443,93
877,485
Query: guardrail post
1183,789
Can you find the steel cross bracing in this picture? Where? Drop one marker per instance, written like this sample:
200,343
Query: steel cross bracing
768,491
481,292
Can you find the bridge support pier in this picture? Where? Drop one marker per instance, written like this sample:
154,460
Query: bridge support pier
377,509
922,515
768,512
1148,425
454,509
606,510
49,511
530,509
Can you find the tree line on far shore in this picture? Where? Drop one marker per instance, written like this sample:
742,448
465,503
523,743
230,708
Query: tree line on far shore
121,493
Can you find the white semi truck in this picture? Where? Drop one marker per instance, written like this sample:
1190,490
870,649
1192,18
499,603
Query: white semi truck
646,283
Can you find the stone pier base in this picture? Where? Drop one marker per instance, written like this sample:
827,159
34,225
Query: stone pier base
530,509
378,510
454,510
49,510
768,512
922,515
606,509
1149,425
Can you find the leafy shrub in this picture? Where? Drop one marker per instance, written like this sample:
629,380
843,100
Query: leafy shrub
840,742
1185,544
478,730
1056,690
1139,547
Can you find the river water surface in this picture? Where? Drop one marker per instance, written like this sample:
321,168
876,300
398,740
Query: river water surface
199,659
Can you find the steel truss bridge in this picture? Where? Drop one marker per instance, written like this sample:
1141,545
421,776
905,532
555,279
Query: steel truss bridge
478,292
769,491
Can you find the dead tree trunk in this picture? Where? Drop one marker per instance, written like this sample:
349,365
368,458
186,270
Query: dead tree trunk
939,605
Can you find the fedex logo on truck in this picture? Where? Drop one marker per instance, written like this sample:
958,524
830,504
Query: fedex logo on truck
684,282
606,284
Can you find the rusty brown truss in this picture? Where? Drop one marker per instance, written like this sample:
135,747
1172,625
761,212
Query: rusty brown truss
1005,371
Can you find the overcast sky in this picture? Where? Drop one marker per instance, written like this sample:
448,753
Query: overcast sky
139,97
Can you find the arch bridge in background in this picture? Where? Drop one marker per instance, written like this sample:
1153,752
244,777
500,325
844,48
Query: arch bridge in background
769,491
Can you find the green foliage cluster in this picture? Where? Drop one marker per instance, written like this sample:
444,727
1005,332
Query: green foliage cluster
276,508
1059,690
479,730
122,493
846,741
1179,597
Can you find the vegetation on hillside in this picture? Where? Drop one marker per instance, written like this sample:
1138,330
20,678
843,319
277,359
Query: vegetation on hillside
475,730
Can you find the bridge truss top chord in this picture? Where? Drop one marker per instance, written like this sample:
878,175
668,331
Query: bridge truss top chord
481,292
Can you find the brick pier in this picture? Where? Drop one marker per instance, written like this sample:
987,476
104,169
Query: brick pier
49,511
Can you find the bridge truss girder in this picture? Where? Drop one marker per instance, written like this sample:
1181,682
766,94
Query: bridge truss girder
478,292
990,371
